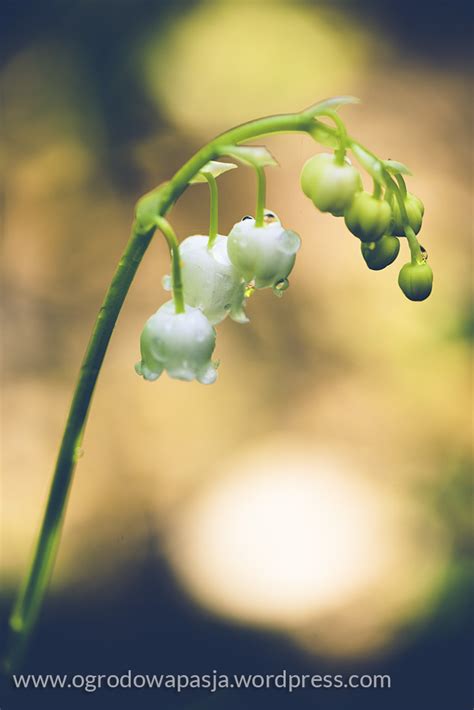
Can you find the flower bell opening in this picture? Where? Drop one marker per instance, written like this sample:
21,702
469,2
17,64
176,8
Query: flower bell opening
179,343
263,255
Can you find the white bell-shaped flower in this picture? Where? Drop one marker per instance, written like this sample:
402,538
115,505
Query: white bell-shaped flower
266,254
180,343
210,281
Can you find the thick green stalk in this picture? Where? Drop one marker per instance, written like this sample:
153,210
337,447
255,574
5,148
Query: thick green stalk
33,588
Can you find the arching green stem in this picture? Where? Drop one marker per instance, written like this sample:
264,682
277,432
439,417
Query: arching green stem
261,195
165,227
213,208
154,205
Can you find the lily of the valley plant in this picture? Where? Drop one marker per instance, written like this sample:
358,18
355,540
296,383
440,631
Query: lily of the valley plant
212,276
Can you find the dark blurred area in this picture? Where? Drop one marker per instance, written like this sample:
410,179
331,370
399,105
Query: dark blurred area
102,101
100,37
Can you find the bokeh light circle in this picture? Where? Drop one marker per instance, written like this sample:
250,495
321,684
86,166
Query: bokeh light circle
289,536
227,62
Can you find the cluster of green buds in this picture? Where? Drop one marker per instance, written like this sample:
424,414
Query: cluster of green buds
379,218
213,275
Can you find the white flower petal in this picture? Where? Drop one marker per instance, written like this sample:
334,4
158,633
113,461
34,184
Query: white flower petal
264,254
180,343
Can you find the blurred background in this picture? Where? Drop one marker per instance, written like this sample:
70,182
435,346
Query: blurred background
311,511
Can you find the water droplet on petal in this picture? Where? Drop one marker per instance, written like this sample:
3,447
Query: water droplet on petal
207,376
280,287
289,242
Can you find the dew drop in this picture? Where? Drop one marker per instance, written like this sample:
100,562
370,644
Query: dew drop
208,376
289,242
280,287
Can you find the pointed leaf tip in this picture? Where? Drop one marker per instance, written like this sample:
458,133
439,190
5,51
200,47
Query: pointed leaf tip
397,168
332,103
256,156
214,168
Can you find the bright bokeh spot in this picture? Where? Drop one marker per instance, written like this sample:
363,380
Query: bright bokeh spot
227,62
288,537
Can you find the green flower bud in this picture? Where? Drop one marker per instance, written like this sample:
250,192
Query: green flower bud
180,343
382,253
210,281
368,217
415,211
416,281
265,254
331,186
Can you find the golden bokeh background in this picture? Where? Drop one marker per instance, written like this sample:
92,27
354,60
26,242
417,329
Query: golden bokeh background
317,489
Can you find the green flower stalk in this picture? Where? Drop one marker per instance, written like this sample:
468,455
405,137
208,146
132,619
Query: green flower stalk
210,275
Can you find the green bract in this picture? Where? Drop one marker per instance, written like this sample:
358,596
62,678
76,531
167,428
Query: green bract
379,254
368,217
265,255
331,186
180,343
415,211
416,281
210,281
